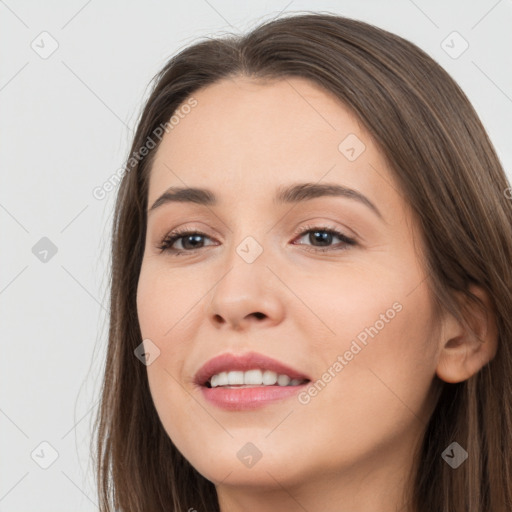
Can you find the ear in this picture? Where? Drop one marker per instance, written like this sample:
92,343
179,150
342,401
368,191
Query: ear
463,353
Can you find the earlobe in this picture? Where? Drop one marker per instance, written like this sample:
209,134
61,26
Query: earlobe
463,353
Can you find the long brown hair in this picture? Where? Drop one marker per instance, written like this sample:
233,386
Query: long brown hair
447,170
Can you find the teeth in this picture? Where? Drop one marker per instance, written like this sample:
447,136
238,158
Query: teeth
254,377
269,378
283,380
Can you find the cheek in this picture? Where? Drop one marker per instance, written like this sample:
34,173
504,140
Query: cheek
165,306
378,372
358,303
162,299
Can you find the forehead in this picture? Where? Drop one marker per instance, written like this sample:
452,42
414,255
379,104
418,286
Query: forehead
246,135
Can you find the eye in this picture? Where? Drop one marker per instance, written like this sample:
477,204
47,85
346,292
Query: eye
190,241
193,240
324,236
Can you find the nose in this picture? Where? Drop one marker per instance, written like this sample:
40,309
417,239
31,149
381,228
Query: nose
247,295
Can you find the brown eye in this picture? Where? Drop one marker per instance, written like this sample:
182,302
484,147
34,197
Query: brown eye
320,239
190,241
324,237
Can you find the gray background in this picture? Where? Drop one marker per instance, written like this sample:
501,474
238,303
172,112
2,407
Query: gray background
65,126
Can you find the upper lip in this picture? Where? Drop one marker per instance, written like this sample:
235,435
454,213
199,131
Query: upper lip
248,361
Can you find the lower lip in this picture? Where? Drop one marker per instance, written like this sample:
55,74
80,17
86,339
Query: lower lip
240,399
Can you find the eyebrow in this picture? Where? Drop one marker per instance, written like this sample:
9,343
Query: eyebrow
290,194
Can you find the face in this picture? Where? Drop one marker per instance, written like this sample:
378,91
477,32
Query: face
326,284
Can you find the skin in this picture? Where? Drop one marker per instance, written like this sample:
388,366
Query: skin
352,446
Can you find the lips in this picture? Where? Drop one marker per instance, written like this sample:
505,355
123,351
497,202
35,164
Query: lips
244,362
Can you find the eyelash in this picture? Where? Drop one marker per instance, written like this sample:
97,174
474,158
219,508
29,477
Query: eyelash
166,243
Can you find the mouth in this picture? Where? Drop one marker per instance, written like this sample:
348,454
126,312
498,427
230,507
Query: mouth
248,369
252,378
247,381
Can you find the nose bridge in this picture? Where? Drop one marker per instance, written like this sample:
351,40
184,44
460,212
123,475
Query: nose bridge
245,288
249,235
245,266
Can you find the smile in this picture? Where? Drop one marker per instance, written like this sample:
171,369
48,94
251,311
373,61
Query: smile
252,378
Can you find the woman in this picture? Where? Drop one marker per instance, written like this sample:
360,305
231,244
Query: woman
257,363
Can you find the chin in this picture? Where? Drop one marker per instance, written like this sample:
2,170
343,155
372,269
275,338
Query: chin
246,464
262,476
